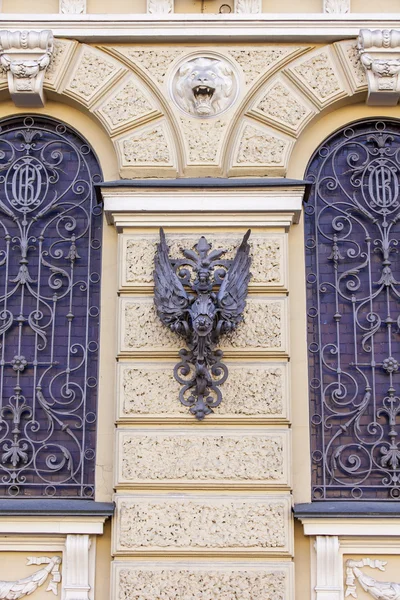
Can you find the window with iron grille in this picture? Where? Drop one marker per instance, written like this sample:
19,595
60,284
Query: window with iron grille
352,232
50,257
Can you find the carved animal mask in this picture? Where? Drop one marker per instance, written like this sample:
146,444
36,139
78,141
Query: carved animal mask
205,86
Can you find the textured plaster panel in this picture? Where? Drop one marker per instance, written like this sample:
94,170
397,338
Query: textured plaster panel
194,523
350,61
60,61
93,74
319,76
257,62
203,140
268,255
263,328
261,148
192,581
251,390
150,146
215,456
128,104
154,61
282,106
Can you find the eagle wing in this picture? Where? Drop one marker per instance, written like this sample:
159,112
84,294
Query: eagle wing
231,298
170,297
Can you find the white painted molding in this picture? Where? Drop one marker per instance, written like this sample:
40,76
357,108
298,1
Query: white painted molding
380,55
291,27
248,7
51,525
72,7
76,575
139,207
351,526
25,56
336,6
160,7
328,568
27,585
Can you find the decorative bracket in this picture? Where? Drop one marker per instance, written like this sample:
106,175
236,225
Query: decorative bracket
25,56
380,55
201,297
160,7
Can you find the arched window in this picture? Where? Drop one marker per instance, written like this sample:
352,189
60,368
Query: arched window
353,287
50,238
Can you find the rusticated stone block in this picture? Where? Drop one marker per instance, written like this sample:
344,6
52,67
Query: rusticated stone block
268,254
256,524
187,456
251,390
262,327
220,581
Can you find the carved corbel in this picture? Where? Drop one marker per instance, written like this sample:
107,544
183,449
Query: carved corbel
25,56
160,7
248,6
72,7
380,55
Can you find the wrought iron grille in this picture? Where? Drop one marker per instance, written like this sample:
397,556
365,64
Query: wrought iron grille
50,238
353,290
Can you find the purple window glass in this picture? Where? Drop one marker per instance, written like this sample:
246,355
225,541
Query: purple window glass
50,263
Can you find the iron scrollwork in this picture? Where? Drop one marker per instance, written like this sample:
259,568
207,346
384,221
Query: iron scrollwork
353,279
50,250
201,297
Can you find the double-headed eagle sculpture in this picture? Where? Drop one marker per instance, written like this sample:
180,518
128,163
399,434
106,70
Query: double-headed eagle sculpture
201,297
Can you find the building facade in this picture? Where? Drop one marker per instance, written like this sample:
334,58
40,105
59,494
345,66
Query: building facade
131,470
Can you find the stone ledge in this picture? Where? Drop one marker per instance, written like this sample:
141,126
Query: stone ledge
353,509
50,507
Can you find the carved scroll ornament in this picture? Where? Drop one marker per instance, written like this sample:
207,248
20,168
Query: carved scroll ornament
379,590
201,315
14,590
380,55
25,56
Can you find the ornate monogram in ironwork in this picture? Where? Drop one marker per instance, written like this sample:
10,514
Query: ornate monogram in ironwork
211,305
353,279
50,238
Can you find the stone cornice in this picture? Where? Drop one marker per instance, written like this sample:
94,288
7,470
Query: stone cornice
95,28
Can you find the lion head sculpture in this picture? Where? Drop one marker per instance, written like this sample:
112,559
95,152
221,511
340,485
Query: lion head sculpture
205,86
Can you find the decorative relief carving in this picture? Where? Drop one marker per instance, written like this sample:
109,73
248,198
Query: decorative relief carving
259,147
255,63
93,71
336,6
126,104
217,584
147,146
62,52
248,6
379,590
156,61
266,251
14,590
380,55
196,523
204,139
160,7
73,7
187,457
204,87
143,328
281,105
262,327
250,390
25,56
318,77
350,61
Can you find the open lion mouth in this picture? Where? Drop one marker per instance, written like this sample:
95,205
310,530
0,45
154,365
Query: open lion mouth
202,99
